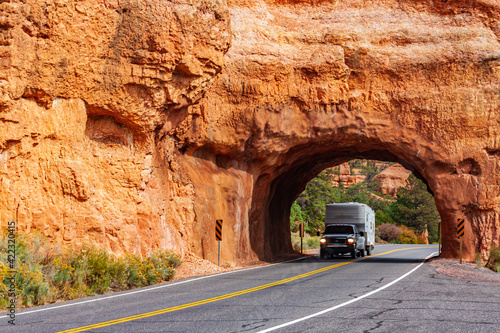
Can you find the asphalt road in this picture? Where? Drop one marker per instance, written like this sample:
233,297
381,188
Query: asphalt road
389,291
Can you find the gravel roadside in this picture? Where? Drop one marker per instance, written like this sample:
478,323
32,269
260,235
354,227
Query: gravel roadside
466,271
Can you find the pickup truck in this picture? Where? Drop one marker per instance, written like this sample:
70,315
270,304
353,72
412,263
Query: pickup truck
342,239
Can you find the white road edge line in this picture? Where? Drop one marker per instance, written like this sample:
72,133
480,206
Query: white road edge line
348,302
148,289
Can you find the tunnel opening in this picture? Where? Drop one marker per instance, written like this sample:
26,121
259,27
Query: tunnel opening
292,180
403,209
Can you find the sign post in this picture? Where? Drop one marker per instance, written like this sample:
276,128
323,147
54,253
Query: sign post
460,234
301,236
218,233
439,228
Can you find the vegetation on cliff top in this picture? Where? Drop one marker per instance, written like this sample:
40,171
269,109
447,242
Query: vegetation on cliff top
410,214
45,273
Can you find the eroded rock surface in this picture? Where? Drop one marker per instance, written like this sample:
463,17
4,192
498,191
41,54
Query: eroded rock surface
117,128
391,179
84,88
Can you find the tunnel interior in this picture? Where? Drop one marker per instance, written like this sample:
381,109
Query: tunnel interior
291,181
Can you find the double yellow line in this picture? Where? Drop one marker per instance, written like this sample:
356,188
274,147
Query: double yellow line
218,298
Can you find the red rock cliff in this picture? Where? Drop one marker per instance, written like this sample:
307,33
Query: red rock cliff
85,87
117,129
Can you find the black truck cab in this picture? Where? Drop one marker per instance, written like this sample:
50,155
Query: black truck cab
340,239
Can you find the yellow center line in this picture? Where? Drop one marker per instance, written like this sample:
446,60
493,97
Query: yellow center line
218,298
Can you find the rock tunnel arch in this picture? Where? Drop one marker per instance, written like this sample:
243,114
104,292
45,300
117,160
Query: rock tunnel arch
291,181
286,108
282,141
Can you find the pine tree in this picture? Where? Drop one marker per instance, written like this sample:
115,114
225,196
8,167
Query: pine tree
317,194
415,208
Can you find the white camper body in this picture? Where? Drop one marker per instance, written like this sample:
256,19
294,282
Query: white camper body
360,215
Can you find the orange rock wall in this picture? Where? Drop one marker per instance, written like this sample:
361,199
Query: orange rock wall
170,115
85,88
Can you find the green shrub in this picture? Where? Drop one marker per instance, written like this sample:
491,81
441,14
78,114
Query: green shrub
164,263
313,242
494,260
45,273
32,288
478,260
158,266
4,299
407,236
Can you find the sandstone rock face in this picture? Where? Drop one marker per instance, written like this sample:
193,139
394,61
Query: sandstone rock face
84,89
391,179
152,128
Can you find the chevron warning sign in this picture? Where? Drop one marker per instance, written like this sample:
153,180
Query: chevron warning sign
460,228
218,229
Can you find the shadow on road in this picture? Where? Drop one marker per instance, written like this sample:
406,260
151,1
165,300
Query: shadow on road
393,260
367,260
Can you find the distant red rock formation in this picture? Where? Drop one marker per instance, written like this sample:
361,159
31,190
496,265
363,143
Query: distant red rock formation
391,179
344,176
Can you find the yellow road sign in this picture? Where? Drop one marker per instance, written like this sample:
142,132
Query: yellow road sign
460,228
218,230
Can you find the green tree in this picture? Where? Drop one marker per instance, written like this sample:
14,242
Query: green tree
415,208
296,215
358,193
382,217
370,171
317,194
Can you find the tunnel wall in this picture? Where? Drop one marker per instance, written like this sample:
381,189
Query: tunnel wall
321,89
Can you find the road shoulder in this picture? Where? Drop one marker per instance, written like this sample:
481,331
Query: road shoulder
466,271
